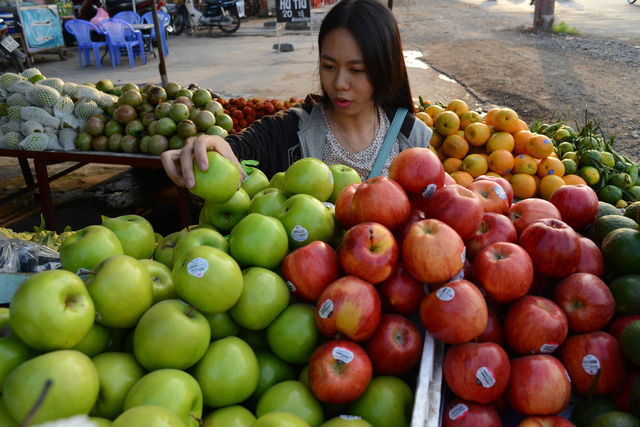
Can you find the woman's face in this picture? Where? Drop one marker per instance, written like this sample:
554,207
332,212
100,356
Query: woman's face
343,75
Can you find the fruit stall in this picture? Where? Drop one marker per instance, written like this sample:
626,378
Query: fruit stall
491,279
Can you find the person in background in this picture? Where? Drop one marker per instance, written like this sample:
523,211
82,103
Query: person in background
364,83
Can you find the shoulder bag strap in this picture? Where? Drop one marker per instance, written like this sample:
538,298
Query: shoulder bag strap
385,150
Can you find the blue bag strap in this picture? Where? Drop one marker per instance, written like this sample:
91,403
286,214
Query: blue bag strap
385,150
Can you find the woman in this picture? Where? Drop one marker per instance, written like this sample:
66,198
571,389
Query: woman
363,81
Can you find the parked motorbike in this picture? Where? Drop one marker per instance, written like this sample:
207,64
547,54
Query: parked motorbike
142,6
10,53
225,14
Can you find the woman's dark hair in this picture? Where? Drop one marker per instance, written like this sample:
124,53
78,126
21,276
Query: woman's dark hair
376,31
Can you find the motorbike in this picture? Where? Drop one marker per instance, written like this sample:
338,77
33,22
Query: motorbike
10,53
225,14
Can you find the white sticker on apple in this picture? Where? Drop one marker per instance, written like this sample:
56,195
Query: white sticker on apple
245,177
549,347
299,233
463,256
445,293
291,286
485,377
350,417
458,411
590,364
326,309
342,354
331,177
567,373
500,192
197,267
429,190
329,205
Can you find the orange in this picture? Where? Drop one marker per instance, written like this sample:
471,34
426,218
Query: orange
550,166
451,165
573,179
460,132
524,186
539,146
455,146
522,125
462,178
537,178
549,184
488,118
426,119
469,117
507,176
500,141
475,164
447,123
441,155
520,139
476,150
497,175
436,138
433,110
505,120
477,134
524,163
458,106
501,161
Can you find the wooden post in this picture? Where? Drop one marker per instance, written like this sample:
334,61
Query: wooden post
162,65
543,15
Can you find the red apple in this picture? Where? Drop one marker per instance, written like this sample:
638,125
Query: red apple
506,185
578,205
447,204
381,200
395,347
448,179
368,251
586,300
432,251
493,228
344,206
553,247
339,372
539,385
464,413
460,300
546,421
534,325
584,354
418,170
504,271
527,211
616,327
492,195
310,269
401,292
478,372
493,332
591,259
401,231
349,307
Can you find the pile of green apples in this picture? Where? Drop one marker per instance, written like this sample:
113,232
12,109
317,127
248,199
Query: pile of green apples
216,324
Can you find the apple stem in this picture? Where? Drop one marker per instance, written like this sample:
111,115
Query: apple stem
190,311
593,387
199,420
36,406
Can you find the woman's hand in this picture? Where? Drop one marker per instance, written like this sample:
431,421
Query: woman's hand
179,163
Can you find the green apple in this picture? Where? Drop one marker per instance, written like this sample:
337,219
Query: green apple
257,340
222,325
277,181
294,397
118,372
294,335
135,234
52,310
230,416
161,280
342,176
121,290
171,389
208,278
219,182
164,249
305,219
309,176
171,334
224,216
87,247
13,351
254,181
273,370
202,236
388,401
346,421
95,342
100,422
280,419
5,418
228,373
267,202
148,416
71,379
258,240
264,296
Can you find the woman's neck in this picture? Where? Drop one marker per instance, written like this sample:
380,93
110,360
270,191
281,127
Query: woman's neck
355,133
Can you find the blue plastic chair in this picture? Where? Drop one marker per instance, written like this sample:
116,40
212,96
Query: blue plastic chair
116,32
82,31
164,19
129,16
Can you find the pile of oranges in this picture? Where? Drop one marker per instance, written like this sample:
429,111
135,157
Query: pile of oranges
498,143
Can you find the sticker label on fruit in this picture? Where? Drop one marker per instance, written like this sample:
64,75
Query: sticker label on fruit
291,286
445,293
326,309
549,347
500,192
429,190
350,417
590,364
331,177
197,267
246,177
485,377
299,233
342,354
463,255
329,205
567,374
458,411
83,273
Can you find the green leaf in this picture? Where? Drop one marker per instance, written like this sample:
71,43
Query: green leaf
247,164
